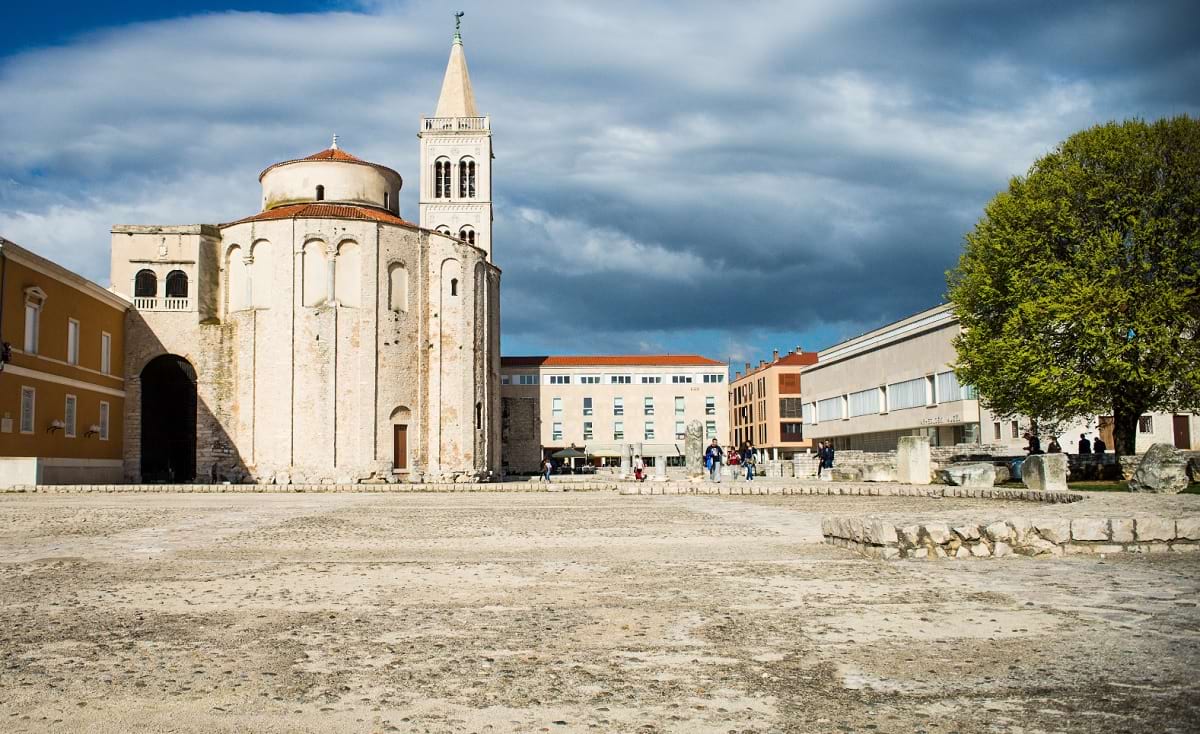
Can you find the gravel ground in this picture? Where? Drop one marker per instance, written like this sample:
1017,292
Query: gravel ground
572,612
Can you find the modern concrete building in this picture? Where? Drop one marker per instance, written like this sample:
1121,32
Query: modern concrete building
609,407
765,405
62,391
898,380
324,338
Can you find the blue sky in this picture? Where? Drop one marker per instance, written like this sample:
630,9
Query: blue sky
670,177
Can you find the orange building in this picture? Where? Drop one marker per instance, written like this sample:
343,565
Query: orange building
765,408
62,388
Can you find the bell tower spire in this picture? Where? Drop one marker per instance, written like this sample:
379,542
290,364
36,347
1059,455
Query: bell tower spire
456,157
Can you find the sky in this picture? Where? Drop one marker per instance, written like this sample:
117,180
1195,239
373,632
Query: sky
670,177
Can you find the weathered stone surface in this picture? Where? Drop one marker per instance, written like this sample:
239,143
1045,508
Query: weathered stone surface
1154,528
910,534
693,449
846,474
1122,530
878,471
1054,530
1021,528
939,533
1089,528
1003,473
879,532
998,531
912,460
980,550
978,474
1045,472
1002,549
962,552
967,532
1162,469
1187,528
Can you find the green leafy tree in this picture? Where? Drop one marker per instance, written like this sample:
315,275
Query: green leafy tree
1079,291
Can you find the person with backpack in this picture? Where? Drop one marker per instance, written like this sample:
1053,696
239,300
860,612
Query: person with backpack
749,460
713,458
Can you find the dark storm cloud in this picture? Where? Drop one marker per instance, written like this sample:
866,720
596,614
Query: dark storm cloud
693,176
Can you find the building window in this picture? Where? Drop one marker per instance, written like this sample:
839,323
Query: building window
1146,424
791,431
103,420
620,379
679,405
33,318
560,379
556,432
587,406
28,406
830,409
69,417
467,234
466,178
710,429
177,284
454,286
527,379
714,378
791,408
863,402
618,430
648,430
589,379
441,179
680,430
320,193
648,406
710,406
1016,429
996,425
145,284
587,430
72,341
105,353
505,379
556,407
681,379
810,411
618,406
443,229
651,379
907,394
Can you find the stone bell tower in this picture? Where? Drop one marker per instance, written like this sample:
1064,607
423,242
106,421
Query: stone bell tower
456,158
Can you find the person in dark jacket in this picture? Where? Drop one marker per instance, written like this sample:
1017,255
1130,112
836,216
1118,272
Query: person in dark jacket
1085,446
1098,446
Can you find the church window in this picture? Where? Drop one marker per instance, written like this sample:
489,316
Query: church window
145,284
466,178
454,286
177,284
468,234
316,285
478,416
347,282
385,200
259,272
320,193
239,279
443,229
441,178
398,287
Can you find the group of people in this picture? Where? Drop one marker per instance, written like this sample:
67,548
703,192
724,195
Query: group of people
1034,445
824,457
715,457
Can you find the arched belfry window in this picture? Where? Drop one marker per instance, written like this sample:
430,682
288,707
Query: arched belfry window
443,229
441,178
468,234
177,284
145,284
320,193
454,286
466,178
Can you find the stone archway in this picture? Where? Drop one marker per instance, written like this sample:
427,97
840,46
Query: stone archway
168,413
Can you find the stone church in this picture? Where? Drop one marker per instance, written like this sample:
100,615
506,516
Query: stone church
324,338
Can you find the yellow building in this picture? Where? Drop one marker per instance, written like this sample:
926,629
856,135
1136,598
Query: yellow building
62,388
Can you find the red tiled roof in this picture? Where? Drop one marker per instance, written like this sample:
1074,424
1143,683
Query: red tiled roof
325,211
791,359
612,360
330,154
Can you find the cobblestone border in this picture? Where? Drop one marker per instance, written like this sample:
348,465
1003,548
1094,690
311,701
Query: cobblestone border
879,538
308,488
864,489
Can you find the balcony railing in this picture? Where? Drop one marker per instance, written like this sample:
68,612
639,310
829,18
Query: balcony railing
451,124
142,303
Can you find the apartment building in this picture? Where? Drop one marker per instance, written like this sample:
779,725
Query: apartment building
765,405
62,387
608,407
898,380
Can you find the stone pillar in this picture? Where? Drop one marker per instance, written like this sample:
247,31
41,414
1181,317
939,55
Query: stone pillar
626,460
660,468
912,460
693,449
1045,472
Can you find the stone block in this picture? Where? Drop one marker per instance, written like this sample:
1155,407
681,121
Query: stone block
1163,469
879,532
1185,547
938,533
1122,530
978,474
1106,549
980,550
998,532
1045,472
912,460
911,535
923,553
878,471
1188,528
1003,473
846,474
1056,530
1002,549
1154,528
967,532
1088,528
1021,528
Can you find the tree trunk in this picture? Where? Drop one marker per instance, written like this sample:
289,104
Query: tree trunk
1125,423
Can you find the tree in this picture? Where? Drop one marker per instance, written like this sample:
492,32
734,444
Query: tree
1078,291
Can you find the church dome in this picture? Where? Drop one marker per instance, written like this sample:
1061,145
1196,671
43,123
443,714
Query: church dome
333,176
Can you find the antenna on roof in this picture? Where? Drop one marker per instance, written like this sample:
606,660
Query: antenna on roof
333,146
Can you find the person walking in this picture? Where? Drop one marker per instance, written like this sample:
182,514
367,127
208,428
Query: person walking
1085,446
1054,447
639,468
713,459
1098,446
820,458
748,460
829,456
547,467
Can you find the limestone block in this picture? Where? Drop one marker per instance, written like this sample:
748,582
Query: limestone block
1188,528
978,474
846,473
879,532
1021,528
911,535
1185,547
1045,472
912,460
1087,528
980,550
962,552
939,552
827,526
1003,473
693,449
1002,549
1122,530
1154,528
939,533
998,531
1107,549
967,532
890,553
1163,469
1055,530
878,471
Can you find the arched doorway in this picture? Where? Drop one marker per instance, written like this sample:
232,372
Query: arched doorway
168,420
